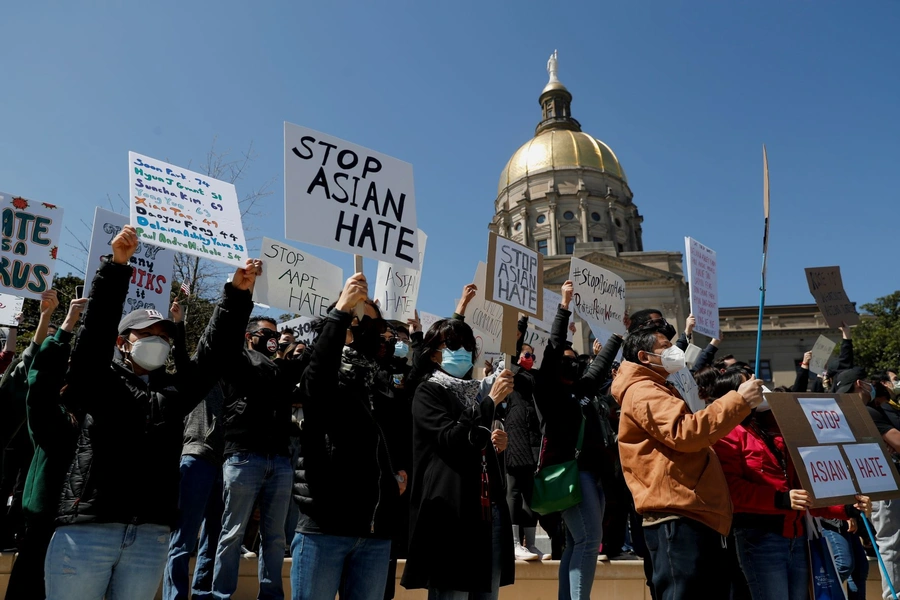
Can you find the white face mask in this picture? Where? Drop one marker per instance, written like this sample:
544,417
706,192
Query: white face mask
150,352
672,359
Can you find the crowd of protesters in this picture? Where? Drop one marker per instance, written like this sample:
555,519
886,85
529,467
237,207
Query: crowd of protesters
126,456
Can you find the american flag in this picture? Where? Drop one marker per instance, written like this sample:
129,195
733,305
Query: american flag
186,287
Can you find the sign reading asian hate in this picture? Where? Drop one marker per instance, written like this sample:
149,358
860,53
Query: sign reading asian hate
29,241
701,268
599,296
185,211
342,196
10,306
152,266
296,281
827,287
397,287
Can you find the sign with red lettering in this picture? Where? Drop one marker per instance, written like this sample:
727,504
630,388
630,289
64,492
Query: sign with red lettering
827,420
701,270
835,447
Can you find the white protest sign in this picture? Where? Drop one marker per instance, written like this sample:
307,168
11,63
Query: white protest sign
821,352
872,473
152,266
10,306
427,320
397,287
29,241
599,295
185,211
827,470
296,281
691,354
348,198
303,327
683,380
485,317
515,276
538,340
827,420
552,300
701,268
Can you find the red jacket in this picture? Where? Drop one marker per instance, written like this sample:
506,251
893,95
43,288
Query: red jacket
754,477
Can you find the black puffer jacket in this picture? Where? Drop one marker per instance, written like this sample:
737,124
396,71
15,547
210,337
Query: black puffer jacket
125,468
344,482
522,424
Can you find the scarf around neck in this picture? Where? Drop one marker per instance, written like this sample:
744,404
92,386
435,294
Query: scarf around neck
465,392
356,366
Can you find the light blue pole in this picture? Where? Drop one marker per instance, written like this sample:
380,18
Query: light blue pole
762,304
884,572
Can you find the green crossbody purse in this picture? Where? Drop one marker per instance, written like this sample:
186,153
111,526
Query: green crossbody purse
557,487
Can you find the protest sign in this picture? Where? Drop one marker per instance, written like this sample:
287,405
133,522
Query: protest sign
691,354
538,339
296,281
835,447
29,241
827,287
10,306
485,318
185,211
397,287
515,280
302,326
683,380
821,353
348,198
427,320
152,266
599,296
704,290
551,302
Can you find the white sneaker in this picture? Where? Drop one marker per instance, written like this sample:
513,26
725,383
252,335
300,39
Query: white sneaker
534,550
523,553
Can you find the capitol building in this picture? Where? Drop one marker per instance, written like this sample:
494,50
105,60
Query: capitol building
565,193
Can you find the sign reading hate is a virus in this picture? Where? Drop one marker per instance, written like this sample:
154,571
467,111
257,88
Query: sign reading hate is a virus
29,241
185,211
342,196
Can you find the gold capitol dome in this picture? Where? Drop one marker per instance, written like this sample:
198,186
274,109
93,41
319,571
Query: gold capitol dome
558,141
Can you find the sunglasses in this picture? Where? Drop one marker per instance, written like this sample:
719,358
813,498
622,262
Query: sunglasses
528,355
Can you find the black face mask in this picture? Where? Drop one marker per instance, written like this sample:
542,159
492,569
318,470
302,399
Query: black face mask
264,342
368,336
385,352
568,369
282,346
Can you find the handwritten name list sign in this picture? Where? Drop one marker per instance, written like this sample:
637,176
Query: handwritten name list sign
701,268
185,211
29,241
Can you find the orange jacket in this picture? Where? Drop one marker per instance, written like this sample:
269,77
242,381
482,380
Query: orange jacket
666,450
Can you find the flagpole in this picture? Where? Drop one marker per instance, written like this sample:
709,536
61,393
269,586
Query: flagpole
762,286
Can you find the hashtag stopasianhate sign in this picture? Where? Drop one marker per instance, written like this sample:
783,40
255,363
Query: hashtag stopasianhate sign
345,197
599,295
701,268
29,240
185,211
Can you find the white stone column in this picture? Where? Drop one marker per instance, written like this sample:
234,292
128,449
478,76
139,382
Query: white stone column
582,203
551,214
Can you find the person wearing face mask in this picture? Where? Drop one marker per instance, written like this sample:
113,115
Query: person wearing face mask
347,484
458,489
564,394
676,480
119,498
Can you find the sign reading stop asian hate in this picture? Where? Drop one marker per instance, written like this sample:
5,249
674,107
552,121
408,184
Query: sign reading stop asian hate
296,281
827,420
515,276
701,268
185,211
29,242
342,196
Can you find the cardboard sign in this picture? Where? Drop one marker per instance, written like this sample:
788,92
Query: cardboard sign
827,287
828,469
29,241
348,198
152,266
821,353
515,276
10,306
296,281
599,295
683,381
302,326
485,318
185,211
704,292
397,287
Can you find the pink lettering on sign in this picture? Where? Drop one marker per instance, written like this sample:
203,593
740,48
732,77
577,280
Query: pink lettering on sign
827,470
870,467
826,419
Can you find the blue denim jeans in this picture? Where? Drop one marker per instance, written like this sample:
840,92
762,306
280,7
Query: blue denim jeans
584,532
851,561
689,561
200,505
249,477
776,567
497,542
323,564
124,562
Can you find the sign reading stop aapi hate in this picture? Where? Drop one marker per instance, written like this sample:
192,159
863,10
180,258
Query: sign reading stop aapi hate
701,268
185,211
152,266
296,281
599,296
835,447
346,197
29,241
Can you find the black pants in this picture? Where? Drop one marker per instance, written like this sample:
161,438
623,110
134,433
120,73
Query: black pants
689,561
26,582
520,484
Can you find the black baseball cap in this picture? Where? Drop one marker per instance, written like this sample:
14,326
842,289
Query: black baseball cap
143,318
846,380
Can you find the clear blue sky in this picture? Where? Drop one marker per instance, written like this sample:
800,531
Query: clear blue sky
684,92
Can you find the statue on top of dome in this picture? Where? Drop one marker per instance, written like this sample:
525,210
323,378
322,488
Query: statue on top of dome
553,68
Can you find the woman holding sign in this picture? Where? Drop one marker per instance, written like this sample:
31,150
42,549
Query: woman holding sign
769,504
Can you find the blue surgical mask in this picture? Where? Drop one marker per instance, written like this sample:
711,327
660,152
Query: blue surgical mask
401,350
456,362
873,392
